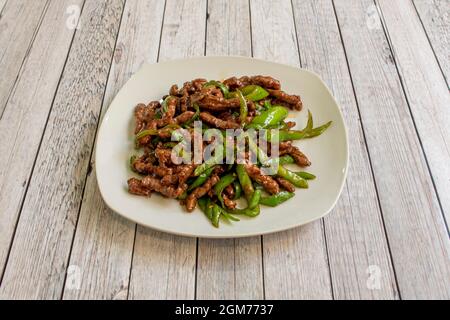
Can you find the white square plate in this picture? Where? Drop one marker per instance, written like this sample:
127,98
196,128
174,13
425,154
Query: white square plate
328,152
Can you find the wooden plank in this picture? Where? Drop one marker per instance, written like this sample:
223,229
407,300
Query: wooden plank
103,243
414,224
355,234
426,90
2,5
435,17
26,113
295,261
164,265
18,24
39,255
229,268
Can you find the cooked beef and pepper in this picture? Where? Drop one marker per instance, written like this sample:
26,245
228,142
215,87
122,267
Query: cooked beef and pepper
215,182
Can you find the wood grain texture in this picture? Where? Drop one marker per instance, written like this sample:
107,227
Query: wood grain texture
2,5
354,230
426,90
295,261
435,17
26,113
39,255
415,228
164,265
18,24
103,243
229,268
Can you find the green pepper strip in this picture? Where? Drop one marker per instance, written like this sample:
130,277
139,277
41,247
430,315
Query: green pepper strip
275,200
209,208
243,111
319,130
267,104
194,117
132,160
286,159
306,175
292,177
219,85
164,104
170,144
272,117
183,196
260,154
245,181
254,200
254,93
237,190
216,212
145,133
201,179
310,123
307,132
202,203
227,216
205,166
224,182
247,211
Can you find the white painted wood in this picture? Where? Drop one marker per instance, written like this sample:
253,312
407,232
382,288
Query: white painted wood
354,230
295,261
435,17
2,5
228,28
103,243
164,265
229,268
426,90
414,223
39,255
19,21
26,113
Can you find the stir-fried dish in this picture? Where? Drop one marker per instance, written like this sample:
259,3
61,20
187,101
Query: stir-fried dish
210,143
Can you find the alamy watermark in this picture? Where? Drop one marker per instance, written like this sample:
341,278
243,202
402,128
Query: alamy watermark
73,19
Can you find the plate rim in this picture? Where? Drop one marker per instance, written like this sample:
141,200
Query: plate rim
221,236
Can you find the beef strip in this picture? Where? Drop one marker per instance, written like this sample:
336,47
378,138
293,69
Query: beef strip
230,204
299,157
285,184
290,100
269,184
191,201
155,184
135,187
218,123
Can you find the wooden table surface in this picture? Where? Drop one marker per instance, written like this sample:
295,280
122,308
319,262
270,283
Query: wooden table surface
388,65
